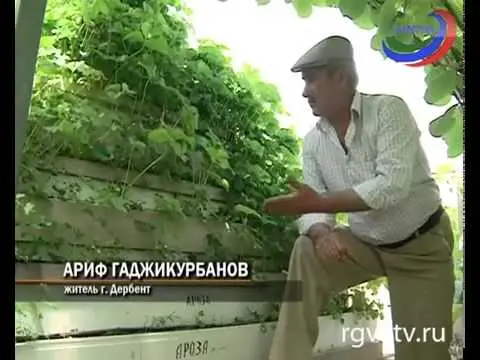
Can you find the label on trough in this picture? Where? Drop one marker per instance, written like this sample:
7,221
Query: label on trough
191,349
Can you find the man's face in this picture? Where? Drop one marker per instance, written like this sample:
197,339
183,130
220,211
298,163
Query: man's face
321,91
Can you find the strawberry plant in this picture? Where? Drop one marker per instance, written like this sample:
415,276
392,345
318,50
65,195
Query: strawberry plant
118,83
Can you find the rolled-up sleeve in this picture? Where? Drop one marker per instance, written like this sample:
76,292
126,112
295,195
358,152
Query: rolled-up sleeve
313,178
398,141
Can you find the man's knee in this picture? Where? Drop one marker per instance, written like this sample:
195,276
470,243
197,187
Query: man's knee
303,262
303,252
303,247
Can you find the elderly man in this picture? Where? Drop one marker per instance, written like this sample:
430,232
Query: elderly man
364,158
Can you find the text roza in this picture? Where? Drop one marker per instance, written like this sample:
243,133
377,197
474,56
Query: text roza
191,349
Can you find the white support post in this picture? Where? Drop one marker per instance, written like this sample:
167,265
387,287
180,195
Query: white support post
459,327
462,229
29,16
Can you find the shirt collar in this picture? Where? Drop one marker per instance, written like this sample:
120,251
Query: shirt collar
356,104
356,110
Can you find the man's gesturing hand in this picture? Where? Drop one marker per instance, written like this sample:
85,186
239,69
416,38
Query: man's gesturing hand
302,200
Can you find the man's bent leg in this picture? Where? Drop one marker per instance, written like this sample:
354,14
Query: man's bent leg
297,327
421,284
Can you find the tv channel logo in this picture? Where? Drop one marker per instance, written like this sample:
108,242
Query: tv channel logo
423,52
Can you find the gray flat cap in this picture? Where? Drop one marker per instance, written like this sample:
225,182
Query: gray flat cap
330,50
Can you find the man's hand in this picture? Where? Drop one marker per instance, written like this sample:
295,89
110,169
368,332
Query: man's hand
302,200
305,200
331,246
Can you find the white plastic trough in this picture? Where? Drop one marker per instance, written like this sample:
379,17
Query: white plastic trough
71,319
77,317
233,342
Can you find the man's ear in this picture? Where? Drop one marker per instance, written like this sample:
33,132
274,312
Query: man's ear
340,77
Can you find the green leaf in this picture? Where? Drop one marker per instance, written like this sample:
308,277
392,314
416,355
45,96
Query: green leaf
159,136
427,69
303,7
376,42
365,21
458,45
67,127
239,208
158,44
320,3
203,68
454,139
255,146
47,42
259,172
218,156
331,3
137,144
449,126
146,28
443,101
386,17
441,83
189,117
352,8
442,124
418,11
460,84
179,149
102,152
99,7
325,3
168,135
263,2
405,37
134,36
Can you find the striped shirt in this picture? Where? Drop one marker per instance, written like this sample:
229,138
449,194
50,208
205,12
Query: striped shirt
384,164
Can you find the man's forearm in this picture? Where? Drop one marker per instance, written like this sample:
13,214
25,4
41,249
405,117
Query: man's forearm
340,202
